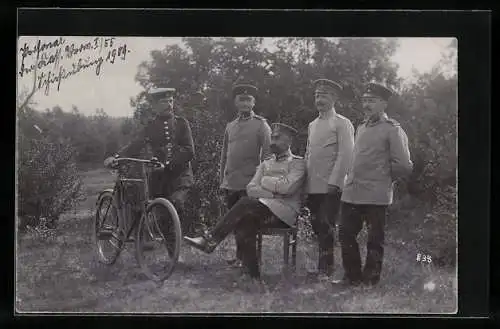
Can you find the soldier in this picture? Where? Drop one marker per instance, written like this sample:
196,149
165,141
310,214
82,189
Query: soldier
328,153
170,140
380,157
276,188
245,145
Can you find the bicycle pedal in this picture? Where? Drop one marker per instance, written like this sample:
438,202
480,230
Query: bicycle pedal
116,241
104,235
118,244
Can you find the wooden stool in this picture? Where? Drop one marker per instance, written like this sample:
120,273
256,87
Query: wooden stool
289,240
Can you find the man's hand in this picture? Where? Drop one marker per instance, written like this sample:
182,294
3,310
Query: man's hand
109,162
333,189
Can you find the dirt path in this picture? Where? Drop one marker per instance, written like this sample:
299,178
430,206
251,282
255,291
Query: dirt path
63,275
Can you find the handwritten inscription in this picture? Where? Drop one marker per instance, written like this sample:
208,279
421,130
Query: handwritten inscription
58,60
41,51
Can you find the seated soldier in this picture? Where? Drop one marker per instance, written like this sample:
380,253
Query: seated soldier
275,189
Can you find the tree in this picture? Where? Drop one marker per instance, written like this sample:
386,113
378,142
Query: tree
213,65
428,110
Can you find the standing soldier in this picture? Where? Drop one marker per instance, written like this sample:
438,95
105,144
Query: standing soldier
380,157
328,153
170,140
246,144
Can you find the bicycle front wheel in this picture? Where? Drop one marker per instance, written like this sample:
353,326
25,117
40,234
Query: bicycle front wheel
106,224
158,240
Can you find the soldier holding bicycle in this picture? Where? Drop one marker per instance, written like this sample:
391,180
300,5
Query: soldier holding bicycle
170,140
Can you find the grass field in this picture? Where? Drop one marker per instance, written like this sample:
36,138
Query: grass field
62,274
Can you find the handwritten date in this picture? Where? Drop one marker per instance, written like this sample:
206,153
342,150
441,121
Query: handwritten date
121,53
45,80
98,43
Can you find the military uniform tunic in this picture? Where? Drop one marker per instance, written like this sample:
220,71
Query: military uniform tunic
278,184
328,153
246,144
380,157
170,140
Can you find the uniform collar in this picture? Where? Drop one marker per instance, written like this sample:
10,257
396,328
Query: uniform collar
165,117
327,115
376,118
287,154
250,115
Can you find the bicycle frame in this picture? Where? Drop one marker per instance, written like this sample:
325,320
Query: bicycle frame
146,225
126,221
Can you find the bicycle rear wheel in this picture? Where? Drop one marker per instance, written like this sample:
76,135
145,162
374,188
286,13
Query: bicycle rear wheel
106,224
158,240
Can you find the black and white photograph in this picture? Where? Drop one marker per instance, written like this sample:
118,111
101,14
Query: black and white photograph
236,175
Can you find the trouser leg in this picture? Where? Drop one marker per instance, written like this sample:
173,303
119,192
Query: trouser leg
178,199
325,208
350,225
232,197
156,184
246,232
375,217
161,187
246,206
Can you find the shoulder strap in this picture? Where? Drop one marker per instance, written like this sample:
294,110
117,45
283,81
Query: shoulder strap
393,122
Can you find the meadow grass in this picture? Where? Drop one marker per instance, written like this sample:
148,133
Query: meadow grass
62,274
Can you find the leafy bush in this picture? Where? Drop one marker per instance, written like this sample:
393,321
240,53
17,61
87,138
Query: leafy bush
428,113
48,182
426,109
203,73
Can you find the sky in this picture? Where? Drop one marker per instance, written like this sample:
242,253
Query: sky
111,84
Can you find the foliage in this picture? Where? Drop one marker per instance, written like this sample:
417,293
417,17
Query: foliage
203,70
93,137
213,65
426,109
431,118
48,180
50,145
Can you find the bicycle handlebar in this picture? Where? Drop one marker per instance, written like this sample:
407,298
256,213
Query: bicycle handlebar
153,161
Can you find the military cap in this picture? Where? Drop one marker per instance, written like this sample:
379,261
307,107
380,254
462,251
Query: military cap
158,93
326,85
283,128
244,89
377,90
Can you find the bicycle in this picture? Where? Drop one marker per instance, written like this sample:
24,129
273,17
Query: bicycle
110,238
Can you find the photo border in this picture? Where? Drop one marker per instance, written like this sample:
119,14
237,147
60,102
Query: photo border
472,29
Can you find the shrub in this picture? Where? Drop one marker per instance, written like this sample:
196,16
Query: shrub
48,182
428,113
205,205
